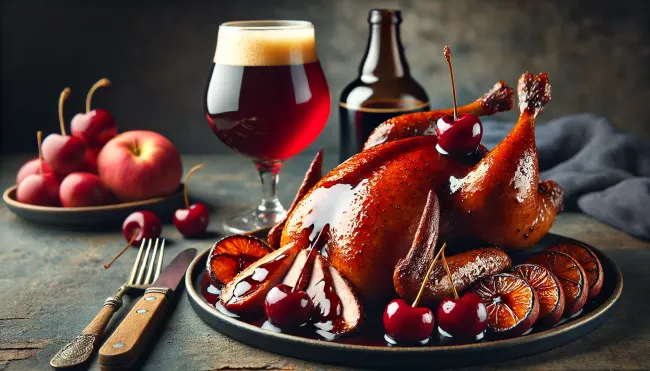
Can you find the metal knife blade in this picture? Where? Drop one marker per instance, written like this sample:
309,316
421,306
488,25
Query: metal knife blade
172,276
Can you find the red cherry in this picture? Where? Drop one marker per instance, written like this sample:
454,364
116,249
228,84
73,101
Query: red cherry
461,136
64,154
90,160
192,221
408,324
287,309
142,224
462,318
83,189
31,167
37,189
95,127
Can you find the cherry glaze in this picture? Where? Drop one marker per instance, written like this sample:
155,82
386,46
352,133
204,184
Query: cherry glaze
371,334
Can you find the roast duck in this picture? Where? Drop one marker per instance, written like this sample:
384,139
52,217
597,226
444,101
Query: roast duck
372,225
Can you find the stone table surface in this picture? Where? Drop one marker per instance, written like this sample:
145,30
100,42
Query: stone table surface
53,284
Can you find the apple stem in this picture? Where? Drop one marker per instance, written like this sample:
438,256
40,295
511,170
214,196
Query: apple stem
451,279
426,277
99,84
187,179
314,247
64,95
39,137
451,74
106,266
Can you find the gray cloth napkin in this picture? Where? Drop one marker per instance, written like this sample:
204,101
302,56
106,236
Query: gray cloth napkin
605,172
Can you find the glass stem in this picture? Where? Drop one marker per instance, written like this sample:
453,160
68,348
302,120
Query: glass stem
270,209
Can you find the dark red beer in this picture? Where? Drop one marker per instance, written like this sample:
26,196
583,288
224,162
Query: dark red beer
267,97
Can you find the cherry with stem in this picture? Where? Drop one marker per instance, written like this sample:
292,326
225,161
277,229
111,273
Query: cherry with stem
96,126
461,317
411,324
193,220
457,134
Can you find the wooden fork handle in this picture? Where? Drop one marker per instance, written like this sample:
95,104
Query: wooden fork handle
81,348
128,341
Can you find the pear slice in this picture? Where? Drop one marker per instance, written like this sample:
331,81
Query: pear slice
246,293
337,309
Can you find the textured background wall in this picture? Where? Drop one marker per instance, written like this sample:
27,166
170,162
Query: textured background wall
158,55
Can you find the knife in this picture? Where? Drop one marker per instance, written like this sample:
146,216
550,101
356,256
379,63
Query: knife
127,343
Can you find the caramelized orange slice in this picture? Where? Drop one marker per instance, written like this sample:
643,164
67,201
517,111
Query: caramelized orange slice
589,262
511,303
571,275
549,291
233,254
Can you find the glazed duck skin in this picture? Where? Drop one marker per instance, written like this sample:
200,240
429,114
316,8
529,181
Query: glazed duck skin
373,201
499,99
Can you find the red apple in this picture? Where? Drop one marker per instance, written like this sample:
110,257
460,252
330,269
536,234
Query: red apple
30,167
37,189
83,189
139,164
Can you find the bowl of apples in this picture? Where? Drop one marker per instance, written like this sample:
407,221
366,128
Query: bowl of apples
95,176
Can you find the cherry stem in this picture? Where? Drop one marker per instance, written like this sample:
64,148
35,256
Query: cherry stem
426,277
99,84
314,247
64,95
451,74
187,178
106,266
451,279
39,137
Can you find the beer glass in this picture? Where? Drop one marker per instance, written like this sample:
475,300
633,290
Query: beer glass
267,99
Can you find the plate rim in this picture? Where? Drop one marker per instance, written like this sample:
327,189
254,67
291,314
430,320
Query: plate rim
9,198
196,299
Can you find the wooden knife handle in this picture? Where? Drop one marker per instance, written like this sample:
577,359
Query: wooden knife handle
128,341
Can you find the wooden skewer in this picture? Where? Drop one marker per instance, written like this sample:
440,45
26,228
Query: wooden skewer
451,279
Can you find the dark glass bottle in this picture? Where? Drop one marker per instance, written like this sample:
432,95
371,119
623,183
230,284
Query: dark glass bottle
384,88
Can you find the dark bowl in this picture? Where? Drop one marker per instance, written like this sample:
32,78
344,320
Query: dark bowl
434,356
91,217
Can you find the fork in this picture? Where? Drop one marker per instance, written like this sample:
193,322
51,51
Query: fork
81,348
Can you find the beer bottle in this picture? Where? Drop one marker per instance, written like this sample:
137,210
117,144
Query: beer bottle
384,88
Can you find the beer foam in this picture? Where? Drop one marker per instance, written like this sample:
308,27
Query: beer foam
265,43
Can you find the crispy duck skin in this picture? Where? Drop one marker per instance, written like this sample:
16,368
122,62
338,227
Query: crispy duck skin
373,201
500,98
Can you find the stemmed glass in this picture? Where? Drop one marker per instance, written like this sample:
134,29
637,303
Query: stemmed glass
267,99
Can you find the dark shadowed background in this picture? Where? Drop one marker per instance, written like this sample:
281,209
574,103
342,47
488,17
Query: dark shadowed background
158,55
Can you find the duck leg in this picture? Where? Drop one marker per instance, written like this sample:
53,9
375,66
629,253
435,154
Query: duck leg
500,98
501,200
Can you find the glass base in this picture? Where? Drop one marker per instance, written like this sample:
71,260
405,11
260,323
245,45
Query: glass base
268,214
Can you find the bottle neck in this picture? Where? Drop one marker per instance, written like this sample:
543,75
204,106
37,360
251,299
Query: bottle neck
384,57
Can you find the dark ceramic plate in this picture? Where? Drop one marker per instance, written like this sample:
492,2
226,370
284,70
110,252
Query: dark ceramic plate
91,217
356,353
